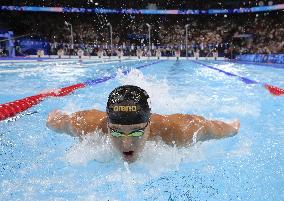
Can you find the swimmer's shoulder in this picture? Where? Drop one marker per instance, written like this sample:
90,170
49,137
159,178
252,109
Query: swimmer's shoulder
172,118
163,124
89,114
157,125
175,127
156,117
89,120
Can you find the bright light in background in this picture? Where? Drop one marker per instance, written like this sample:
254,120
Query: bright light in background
92,1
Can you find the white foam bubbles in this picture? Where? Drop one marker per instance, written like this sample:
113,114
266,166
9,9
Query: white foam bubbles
162,97
98,197
156,159
157,152
95,146
98,147
243,109
243,148
71,107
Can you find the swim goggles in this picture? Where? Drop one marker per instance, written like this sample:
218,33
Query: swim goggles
136,133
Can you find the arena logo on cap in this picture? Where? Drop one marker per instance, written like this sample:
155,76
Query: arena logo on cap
126,108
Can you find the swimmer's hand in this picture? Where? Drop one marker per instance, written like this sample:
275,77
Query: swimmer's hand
58,121
235,124
218,129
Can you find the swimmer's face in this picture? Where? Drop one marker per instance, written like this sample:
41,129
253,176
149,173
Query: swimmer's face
129,146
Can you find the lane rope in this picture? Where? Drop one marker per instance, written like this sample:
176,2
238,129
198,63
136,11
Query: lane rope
13,108
273,90
264,65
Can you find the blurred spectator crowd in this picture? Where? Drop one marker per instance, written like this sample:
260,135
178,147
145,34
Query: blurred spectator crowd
166,4
228,35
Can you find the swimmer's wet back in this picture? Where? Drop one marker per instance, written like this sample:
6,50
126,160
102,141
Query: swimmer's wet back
128,105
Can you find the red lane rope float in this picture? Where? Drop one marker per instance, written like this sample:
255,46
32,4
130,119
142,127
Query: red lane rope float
276,91
12,108
273,90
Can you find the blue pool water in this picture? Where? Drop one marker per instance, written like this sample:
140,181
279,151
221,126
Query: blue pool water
39,164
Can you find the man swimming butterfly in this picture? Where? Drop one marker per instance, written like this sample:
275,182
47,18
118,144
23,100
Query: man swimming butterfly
129,123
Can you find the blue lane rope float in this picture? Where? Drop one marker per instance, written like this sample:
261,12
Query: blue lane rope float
273,90
10,109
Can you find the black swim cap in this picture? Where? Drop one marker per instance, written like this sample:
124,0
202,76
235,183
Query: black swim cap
128,105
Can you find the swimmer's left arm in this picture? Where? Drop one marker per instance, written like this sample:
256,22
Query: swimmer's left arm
218,129
181,128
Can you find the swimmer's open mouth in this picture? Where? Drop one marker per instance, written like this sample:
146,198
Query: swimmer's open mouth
128,153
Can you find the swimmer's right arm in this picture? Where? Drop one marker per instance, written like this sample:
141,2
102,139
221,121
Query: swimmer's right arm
78,123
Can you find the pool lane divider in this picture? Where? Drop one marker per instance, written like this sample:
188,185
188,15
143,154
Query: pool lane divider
265,65
13,108
273,90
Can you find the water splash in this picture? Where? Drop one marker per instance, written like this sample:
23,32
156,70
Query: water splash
165,101
95,146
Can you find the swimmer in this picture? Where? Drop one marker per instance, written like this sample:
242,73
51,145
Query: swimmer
129,123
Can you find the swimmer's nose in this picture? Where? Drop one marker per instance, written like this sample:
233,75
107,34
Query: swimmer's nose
127,143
